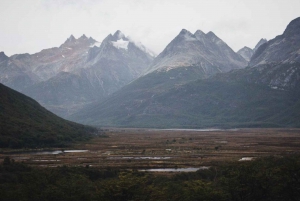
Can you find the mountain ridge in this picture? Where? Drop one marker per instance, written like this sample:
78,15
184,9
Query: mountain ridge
24,123
260,95
95,71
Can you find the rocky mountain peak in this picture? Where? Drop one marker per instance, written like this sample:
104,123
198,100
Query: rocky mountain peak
71,38
91,40
184,31
282,49
82,41
212,36
199,34
246,53
186,35
261,42
83,37
3,56
205,51
119,35
293,28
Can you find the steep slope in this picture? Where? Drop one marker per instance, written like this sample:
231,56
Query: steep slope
24,123
106,69
246,53
276,63
284,48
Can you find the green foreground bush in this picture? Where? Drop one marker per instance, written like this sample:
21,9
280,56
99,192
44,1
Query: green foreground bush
264,179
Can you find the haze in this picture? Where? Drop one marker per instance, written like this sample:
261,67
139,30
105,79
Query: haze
32,25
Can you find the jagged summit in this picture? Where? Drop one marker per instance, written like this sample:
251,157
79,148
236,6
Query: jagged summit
71,38
83,40
79,71
199,34
186,35
206,51
83,37
212,36
260,42
246,53
184,31
91,40
3,56
119,35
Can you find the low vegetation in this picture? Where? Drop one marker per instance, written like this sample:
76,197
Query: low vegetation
198,104
271,178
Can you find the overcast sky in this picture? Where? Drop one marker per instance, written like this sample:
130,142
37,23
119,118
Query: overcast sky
33,25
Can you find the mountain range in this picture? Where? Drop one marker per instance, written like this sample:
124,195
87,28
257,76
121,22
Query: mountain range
78,72
206,52
265,93
196,81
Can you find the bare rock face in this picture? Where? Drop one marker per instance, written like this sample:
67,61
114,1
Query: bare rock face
78,72
277,62
45,64
246,53
283,48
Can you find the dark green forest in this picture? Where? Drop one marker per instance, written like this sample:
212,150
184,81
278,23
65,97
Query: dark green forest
26,124
265,179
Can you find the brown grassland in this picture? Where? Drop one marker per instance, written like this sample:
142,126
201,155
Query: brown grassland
150,148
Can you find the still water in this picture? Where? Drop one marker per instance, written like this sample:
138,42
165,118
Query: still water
175,169
55,152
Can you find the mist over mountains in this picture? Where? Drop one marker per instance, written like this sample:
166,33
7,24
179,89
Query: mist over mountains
78,72
196,81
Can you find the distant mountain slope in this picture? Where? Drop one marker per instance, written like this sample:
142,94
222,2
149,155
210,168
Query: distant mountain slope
203,103
24,123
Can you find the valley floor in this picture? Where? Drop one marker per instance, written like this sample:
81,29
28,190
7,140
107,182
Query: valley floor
154,148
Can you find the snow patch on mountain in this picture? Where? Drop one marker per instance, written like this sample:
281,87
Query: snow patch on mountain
96,44
121,44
